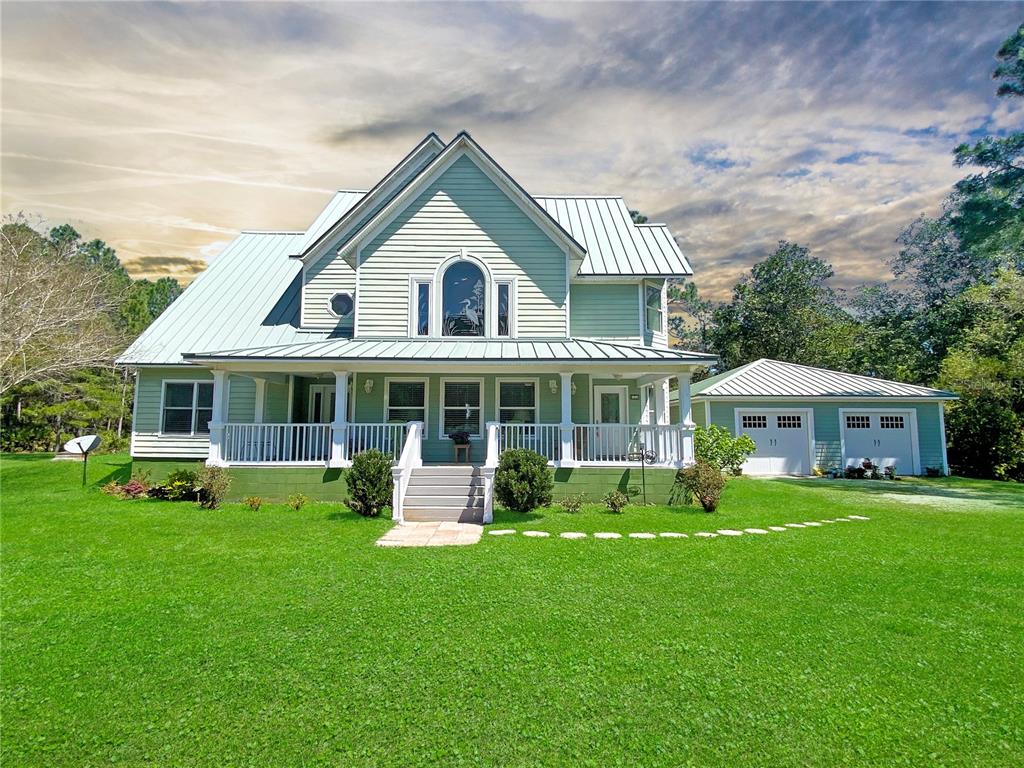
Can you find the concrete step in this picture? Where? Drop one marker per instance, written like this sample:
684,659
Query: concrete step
466,481
434,514
443,501
448,470
434,491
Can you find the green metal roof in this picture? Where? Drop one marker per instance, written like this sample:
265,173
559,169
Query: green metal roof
458,349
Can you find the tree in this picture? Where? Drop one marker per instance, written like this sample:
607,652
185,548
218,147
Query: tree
691,335
56,308
986,368
785,310
637,217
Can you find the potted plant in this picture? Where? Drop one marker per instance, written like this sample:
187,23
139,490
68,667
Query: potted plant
459,438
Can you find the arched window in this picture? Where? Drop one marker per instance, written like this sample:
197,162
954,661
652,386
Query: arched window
463,300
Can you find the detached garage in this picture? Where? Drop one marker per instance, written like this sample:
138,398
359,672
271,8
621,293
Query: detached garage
802,417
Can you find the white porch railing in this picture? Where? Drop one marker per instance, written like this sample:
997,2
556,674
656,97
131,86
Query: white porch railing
611,444
410,458
545,439
386,438
276,443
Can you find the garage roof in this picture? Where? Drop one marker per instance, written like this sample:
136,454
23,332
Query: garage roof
774,378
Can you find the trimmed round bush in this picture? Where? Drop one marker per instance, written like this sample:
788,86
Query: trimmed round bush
523,481
370,483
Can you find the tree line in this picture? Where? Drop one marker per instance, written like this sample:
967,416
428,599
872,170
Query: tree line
69,308
951,314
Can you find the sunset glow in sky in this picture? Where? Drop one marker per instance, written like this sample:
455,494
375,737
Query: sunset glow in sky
165,129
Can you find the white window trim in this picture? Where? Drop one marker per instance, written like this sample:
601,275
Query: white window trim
195,396
426,396
623,406
517,380
330,309
643,306
438,298
440,414
910,416
414,303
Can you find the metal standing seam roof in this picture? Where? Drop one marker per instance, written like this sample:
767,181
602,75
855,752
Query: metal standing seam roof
340,204
472,350
615,245
774,378
248,296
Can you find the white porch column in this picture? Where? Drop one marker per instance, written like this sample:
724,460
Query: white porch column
217,417
339,427
261,397
686,423
661,402
567,458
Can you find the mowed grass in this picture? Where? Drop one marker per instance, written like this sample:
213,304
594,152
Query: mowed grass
156,633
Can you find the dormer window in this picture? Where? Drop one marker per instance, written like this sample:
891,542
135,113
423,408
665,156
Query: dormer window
341,305
463,300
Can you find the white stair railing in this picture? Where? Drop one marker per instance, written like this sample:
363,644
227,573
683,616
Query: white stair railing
410,457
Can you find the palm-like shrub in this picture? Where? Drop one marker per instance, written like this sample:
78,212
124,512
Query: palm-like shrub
370,483
523,481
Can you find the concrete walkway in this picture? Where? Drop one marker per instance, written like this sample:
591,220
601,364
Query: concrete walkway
433,534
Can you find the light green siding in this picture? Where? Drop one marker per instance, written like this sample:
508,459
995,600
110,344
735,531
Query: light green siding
275,403
462,208
827,431
606,311
241,399
146,437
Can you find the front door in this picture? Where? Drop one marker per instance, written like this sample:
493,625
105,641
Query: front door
321,403
610,408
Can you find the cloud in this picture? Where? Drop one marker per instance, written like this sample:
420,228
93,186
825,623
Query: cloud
166,128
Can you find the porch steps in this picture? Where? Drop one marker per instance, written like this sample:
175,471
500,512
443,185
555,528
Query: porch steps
445,493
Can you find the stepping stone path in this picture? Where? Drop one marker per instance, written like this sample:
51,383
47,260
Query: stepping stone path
418,534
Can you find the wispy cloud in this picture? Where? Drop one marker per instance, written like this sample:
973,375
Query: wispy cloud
163,128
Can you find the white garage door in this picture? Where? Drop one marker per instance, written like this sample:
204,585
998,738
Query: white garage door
782,439
884,437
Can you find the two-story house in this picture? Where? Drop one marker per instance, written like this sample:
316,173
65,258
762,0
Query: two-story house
446,299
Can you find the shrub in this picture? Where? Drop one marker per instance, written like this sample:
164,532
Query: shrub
180,484
212,485
134,489
715,446
370,483
297,501
933,472
573,504
113,488
704,482
253,502
523,481
616,501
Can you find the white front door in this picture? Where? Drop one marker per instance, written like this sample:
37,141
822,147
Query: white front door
885,438
321,403
610,407
782,438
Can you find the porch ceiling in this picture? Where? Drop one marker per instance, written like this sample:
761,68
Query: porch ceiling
451,351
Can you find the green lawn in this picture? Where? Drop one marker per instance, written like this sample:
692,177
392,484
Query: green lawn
157,633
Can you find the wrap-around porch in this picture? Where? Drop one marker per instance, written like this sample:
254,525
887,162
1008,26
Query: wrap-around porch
573,419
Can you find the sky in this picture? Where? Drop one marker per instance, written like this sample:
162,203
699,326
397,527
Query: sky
165,129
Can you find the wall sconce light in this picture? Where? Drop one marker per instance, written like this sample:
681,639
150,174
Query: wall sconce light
574,387
553,385
368,386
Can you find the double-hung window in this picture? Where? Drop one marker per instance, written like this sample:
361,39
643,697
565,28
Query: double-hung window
654,309
406,401
187,408
420,308
460,408
517,402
